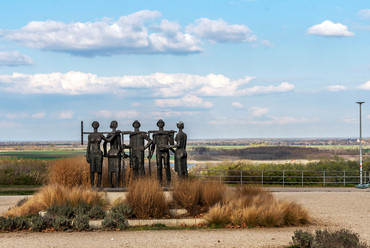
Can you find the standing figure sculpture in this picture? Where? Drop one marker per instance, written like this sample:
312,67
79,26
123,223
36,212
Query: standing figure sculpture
114,155
137,149
181,166
161,140
94,155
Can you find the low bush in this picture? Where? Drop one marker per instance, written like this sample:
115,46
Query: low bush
123,209
145,197
37,223
96,212
114,221
327,239
66,211
62,223
81,223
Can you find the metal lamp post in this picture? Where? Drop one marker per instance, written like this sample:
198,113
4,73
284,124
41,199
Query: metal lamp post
360,103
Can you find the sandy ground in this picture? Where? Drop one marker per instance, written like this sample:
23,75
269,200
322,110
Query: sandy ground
331,208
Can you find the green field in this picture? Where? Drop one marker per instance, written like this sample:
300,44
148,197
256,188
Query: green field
42,154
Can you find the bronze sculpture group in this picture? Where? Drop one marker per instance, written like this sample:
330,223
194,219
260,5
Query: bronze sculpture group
162,142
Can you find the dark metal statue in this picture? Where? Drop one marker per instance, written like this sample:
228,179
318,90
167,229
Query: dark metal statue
114,155
94,155
137,149
161,139
181,156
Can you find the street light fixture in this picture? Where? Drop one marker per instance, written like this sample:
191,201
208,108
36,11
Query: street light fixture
360,103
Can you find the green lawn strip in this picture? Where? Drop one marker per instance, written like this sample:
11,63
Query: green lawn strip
17,192
19,187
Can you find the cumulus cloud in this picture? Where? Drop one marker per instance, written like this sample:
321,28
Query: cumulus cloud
40,115
365,86
67,114
271,120
14,58
237,105
129,34
221,31
17,115
188,101
8,124
124,114
170,113
336,87
160,85
364,13
258,111
330,29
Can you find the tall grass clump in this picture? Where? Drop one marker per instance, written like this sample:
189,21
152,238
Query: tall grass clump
146,199
250,206
58,195
71,172
196,196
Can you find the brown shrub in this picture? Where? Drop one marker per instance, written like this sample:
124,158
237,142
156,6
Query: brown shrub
212,192
58,195
71,172
188,194
253,206
219,215
146,199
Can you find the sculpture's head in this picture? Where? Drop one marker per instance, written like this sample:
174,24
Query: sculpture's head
136,124
95,124
160,123
114,124
180,125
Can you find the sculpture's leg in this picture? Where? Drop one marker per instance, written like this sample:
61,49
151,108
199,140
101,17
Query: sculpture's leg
167,167
159,166
110,174
92,179
99,179
141,165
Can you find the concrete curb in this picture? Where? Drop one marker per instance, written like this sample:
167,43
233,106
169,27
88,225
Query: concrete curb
167,222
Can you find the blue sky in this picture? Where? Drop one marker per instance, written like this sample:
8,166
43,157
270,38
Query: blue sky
227,69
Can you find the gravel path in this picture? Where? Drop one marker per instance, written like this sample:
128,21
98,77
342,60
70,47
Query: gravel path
349,209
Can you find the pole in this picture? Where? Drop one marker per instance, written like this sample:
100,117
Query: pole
82,133
360,103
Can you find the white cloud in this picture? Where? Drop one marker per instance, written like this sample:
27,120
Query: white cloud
135,104
14,58
336,87
364,13
162,85
17,115
8,124
272,120
368,117
328,28
237,105
221,31
350,120
188,101
40,115
283,87
129,34
67,114
170,113
124,114
258,111
365,86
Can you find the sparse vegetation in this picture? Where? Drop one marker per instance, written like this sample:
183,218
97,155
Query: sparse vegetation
58,195
146,199
327,239
252,206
